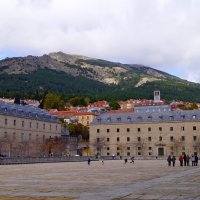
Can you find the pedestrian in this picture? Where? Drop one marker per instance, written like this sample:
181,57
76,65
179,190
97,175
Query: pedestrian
196,160
89,161
125,160
185,159
181,160
188,160
102,161
169,160
193,160
173,160
132,160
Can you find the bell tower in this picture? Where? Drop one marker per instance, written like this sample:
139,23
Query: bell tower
156,96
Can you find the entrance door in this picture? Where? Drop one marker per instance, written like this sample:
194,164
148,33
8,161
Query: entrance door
160,151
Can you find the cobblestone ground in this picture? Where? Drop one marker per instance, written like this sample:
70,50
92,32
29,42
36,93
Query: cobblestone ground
144,180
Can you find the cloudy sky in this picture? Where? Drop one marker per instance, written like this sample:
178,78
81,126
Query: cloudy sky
164,34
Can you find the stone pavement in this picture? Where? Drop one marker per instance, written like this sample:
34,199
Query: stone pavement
145,180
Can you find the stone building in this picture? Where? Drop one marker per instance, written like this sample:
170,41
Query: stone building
24,130
155,131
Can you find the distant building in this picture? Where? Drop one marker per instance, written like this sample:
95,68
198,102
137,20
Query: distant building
156,96
129,104
24,129
154,134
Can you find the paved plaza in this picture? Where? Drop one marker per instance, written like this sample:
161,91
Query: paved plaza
144,180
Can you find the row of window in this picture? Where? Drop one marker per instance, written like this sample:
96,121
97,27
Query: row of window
160,138
30,136
30,124
149,118
194,128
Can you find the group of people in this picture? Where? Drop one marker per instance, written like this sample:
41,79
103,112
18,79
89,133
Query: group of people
126,160
183,159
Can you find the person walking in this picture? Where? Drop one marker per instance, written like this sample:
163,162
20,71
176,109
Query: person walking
181,160
125,160
188,160
169,160
193,160
173,160
89,161
132,160
185,159
196,160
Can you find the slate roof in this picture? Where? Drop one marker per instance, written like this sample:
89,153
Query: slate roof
26,111
148,117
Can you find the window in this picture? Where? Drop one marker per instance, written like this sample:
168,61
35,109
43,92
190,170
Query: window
43,138
139,154
108,130
195,138
117,130
160,138
98,131
37,125
22,123
171,117
14,136
128,129
118,154
118,139
50,126
22,137
6,121
128,139
37,137
171,138
150,154
161,117
171,128
99,120
129,119
149,129
108,153
108,119
138,139
108,148
194,116
182,128
183,138
194,128
5,134
98,149
14,122
128,148
118,148
150,148
128,154
139,148
150,118
138,129
43,126
98,139
30,124
182,117
119,119
56,127
149,138
160,128
108,139
29,137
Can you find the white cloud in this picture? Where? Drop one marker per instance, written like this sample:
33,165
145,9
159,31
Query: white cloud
160,33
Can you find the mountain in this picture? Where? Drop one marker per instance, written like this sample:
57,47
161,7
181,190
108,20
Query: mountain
72,75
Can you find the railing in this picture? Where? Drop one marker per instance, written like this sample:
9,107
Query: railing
29,160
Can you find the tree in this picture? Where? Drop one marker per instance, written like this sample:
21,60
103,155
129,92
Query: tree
79,129
53,101
114,105
79,101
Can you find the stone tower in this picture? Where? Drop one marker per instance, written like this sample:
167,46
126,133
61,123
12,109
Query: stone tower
156,96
